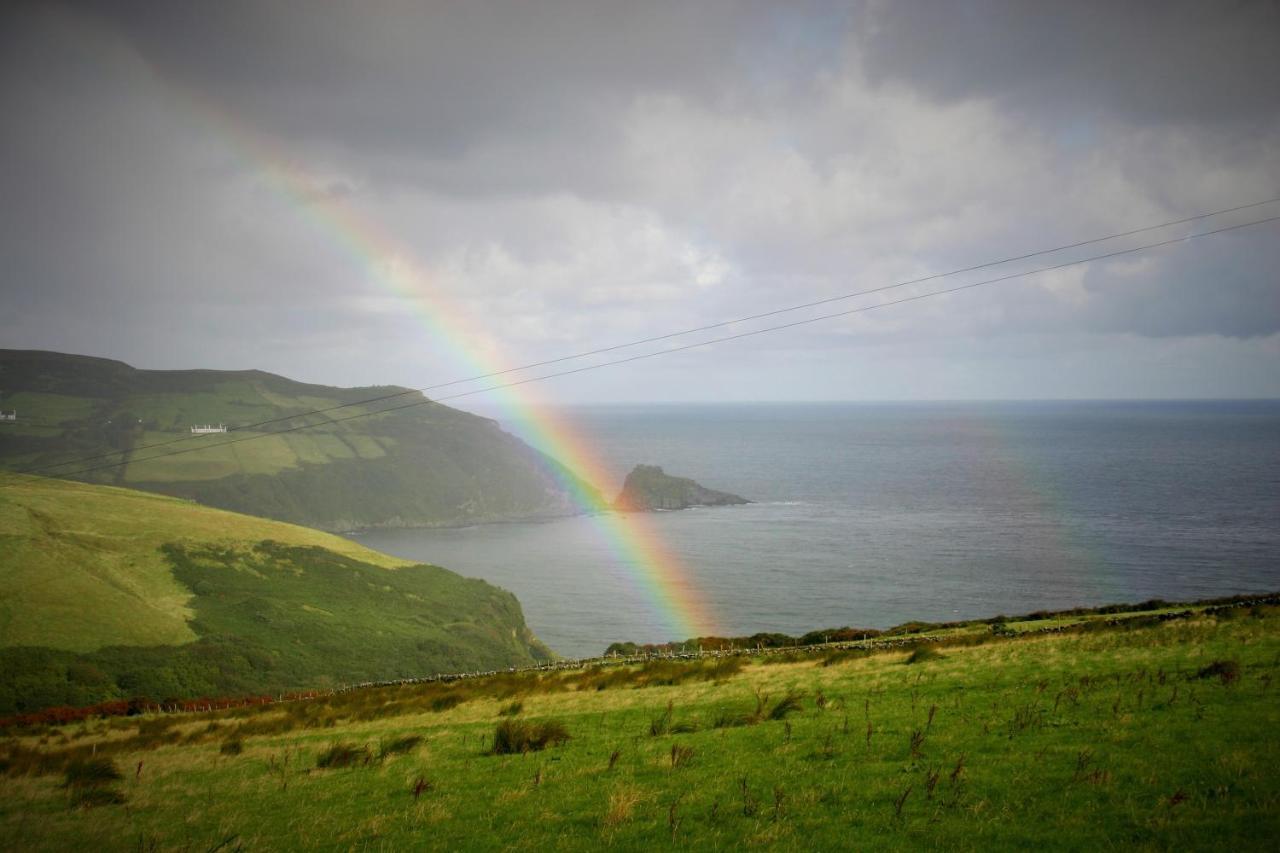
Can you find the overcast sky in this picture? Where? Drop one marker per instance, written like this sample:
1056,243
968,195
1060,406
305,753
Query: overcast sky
260,184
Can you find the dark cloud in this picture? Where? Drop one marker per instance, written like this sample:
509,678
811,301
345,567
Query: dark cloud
1190,61
266,182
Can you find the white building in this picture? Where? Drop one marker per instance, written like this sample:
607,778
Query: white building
207,429
9,416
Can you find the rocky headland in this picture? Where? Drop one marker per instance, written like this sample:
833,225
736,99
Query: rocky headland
648,488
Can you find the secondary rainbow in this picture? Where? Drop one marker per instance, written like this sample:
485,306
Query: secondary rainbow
678,607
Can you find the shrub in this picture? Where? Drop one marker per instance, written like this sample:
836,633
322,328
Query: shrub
513,737
232,747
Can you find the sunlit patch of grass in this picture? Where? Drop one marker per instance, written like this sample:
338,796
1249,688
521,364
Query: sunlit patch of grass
621,805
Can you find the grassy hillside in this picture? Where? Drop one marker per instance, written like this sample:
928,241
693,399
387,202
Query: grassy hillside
1155,735
425,465
111,593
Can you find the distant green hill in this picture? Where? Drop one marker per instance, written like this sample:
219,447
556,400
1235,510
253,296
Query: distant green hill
110,593
422,466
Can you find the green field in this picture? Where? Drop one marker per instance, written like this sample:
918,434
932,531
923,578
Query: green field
109,593
1147,734
423,465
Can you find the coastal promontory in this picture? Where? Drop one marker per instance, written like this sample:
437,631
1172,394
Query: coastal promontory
648,488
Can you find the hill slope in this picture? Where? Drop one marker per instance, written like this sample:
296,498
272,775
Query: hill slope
1154,736
110,593
421,466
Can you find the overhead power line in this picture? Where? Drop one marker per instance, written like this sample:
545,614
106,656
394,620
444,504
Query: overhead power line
702,343
663,337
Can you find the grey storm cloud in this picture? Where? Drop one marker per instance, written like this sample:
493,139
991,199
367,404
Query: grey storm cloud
1177,61
570,175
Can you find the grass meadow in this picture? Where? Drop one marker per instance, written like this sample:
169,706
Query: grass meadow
1148,734
84,563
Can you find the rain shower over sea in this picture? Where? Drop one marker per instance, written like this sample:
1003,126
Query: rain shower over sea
870,514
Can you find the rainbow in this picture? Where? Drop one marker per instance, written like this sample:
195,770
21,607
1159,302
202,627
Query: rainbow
678,609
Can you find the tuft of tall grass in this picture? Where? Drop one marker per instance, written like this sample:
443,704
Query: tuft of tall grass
343,755
91,783
732,720
513,737
840,656
622,802
398,746
88,798
680,755
788,704
91,773
921,654
511,710
661,724
447,702
1226,671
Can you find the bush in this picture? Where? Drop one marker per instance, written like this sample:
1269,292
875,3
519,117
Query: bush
232,747
513,737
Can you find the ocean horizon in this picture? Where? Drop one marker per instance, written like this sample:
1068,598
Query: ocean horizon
874,513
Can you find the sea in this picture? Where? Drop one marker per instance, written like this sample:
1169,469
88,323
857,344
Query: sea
872,514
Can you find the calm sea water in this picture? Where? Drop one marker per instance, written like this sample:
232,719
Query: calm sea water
873,514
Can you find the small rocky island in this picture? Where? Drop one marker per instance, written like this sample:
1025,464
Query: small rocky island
649,488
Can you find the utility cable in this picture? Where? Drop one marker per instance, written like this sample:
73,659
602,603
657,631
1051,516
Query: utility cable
668,336
684,347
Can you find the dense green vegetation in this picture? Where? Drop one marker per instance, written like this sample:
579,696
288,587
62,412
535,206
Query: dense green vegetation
957,631
1150,734
276,618
423,465
114,594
